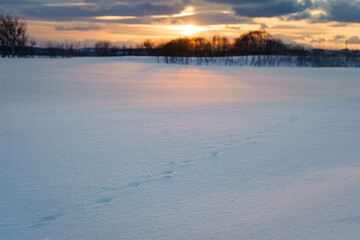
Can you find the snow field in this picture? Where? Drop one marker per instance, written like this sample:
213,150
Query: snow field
126,148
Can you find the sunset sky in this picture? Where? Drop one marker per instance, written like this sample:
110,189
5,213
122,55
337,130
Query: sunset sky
324,23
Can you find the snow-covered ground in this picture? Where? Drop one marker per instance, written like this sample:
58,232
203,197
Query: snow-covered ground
125,148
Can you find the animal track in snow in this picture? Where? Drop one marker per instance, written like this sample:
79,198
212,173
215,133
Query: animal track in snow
49,218
214,153
133,185
45,220
103,200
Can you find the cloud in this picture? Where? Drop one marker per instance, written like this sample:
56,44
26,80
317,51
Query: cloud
353,40
339,24
242,2
340,11
78,28
273,9
339,38
319,40
18,2
313,16
263,26
344,11
329,10
73,12
266,8
290,39
282,26
213,18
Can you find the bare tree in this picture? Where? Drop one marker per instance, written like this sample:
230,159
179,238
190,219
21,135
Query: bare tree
32,45
149,46
13,36
258,42
103,48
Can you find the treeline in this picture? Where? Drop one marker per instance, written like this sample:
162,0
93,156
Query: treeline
251,43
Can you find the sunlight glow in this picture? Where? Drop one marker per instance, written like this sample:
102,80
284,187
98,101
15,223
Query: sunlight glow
317,12
189,29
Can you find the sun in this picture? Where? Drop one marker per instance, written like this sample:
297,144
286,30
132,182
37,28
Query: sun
190,29
185,30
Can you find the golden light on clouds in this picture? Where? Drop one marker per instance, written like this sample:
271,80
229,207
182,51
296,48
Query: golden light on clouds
317,12
109,18
188,11
68,4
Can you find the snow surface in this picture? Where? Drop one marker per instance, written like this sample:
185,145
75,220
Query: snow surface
126,148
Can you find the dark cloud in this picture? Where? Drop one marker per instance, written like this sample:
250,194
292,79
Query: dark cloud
78,28
19,2
299,16
339,25
344,11
321,17
318,40
214,18
266,8
14,7
278,8
333,10
114,2
242,2
338,38
75,12
137,20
